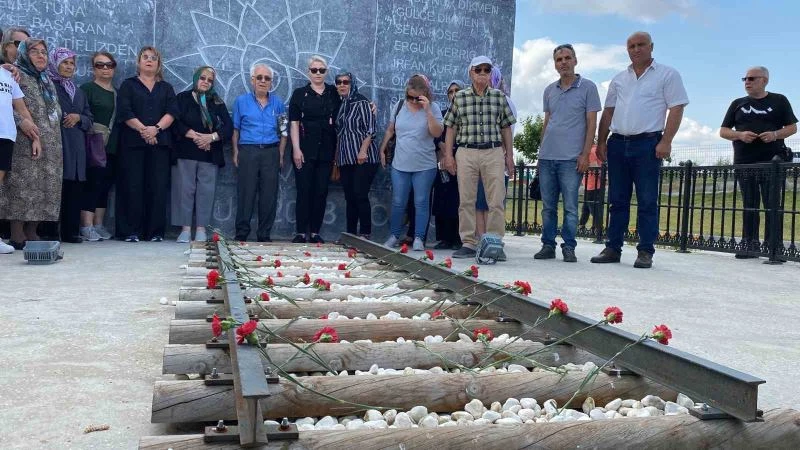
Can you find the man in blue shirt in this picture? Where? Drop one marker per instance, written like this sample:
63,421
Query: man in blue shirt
258,146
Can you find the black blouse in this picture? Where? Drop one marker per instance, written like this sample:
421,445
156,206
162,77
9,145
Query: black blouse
134,100
317,116
190,118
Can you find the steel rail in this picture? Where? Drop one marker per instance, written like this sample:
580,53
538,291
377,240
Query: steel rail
731,391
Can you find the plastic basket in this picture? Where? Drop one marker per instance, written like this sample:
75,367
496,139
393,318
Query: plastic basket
42,252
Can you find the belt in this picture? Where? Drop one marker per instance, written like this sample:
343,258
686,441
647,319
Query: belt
483,146
636,137
263,145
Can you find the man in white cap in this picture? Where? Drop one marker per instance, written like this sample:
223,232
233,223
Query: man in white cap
480,121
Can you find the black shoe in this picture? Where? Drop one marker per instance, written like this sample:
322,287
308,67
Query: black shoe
73,240
569,254
299,239
264,239
464,252
316,239
156,239
442,245
644,260
132,238
17,245
608,255
547,252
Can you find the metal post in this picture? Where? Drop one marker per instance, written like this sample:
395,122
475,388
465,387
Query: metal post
775,181
687,201
521,193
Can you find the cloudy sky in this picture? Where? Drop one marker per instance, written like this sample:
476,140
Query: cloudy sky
711,43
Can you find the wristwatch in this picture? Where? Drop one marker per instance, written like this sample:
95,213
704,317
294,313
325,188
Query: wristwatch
158,127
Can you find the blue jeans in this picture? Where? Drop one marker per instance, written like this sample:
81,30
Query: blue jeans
402,182
633,164
559,177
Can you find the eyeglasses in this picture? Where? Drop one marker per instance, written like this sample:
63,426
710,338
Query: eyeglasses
261,78
152,58
105,65
205,78
751,78
486,70
314,70
345,82
38,52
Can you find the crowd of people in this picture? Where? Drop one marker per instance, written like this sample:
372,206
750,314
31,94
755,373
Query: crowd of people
63,146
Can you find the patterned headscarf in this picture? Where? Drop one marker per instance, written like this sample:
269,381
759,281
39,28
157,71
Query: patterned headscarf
204,97
45,84
496,80
352,96
57,56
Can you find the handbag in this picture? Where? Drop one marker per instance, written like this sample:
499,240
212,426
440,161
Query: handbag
390,146
534,190
96,140
785,153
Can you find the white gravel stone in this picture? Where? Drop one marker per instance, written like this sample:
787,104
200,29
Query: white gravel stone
373,414
363,341
613,405
372,316
551,407
373,369
516,368
458,415
541,420
442,417
305,421
529,421
589,366
389,416
401,340
408,371
515,409
450,424
624,410
343,373
613,415
628,403
510,415
597,414
391,315
588,405
425,316
527,402
491,415
357,424
673,409
481,421
496,406
475,407
508,422
305,427
333,315
653,400
403,421
376,424
429,421
325,423
163,300
509,403
527,414
417,413
685,401
436,369
271,423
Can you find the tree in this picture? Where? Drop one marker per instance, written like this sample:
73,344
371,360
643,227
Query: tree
529,139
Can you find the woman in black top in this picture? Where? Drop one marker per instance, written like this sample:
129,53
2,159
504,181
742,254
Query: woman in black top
445,192
312,114
201,129
146,104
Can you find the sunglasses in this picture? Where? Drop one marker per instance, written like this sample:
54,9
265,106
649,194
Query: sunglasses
262,77
345,82
315,70
205,78
486,70
105,65
751,78
153,58
412,99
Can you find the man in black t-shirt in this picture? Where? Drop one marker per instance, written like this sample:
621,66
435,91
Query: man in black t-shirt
757,124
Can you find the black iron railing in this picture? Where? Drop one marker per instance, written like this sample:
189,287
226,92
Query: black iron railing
751,209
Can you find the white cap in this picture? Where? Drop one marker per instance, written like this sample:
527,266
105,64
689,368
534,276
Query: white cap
478,60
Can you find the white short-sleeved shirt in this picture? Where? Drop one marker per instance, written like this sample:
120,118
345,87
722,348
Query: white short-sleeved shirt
9,90
640,104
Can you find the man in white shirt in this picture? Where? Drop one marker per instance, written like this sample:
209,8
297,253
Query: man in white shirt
641,137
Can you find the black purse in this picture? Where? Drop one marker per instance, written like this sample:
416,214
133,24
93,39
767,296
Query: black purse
785,153
392,143
534,191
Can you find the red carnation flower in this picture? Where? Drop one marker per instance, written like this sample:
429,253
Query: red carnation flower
342,266
215,237
279,274
276,263
264,297
558,306
307,253
324,317
259,258
216,326
347,274
482,334
472,271
436,314
306,278
212,278
269,281
429,255
662,334
326,334
322,285
404,248
319,245
612,314
351,253
245,333
523,287
448,262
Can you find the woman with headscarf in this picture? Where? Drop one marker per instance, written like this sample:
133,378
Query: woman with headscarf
76,121
312,116
32,192
357,153
417,124
202,127
445,192
146,106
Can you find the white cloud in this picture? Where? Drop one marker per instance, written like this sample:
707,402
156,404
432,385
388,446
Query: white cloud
694,133
647,11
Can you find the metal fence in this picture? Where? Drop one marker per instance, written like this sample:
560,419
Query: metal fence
752,210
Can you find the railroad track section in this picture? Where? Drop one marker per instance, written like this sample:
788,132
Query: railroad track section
359,346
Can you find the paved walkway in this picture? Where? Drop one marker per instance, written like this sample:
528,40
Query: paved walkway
83,338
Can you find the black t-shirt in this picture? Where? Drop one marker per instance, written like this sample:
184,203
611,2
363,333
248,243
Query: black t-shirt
770,113
317,116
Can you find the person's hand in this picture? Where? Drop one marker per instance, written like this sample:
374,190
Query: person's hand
29,129
235,158
663,149
374,108
36,149
71,119
583,163
747,136
149,133
510,166
299,160
768,136
14,71
383,159
449,164
203,141
362,157
602,151
424,102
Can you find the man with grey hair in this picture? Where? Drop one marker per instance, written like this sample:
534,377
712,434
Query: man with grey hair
570,108
258,147
636,108
757,124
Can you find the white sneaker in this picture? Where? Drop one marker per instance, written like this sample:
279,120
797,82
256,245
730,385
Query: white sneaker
101,230
5,248
418,245
200,236
184,237
88,234
392,242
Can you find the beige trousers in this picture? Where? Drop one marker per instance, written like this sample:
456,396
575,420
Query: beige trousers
488,165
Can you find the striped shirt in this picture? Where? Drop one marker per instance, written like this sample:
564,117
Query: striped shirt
479,118
352,128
